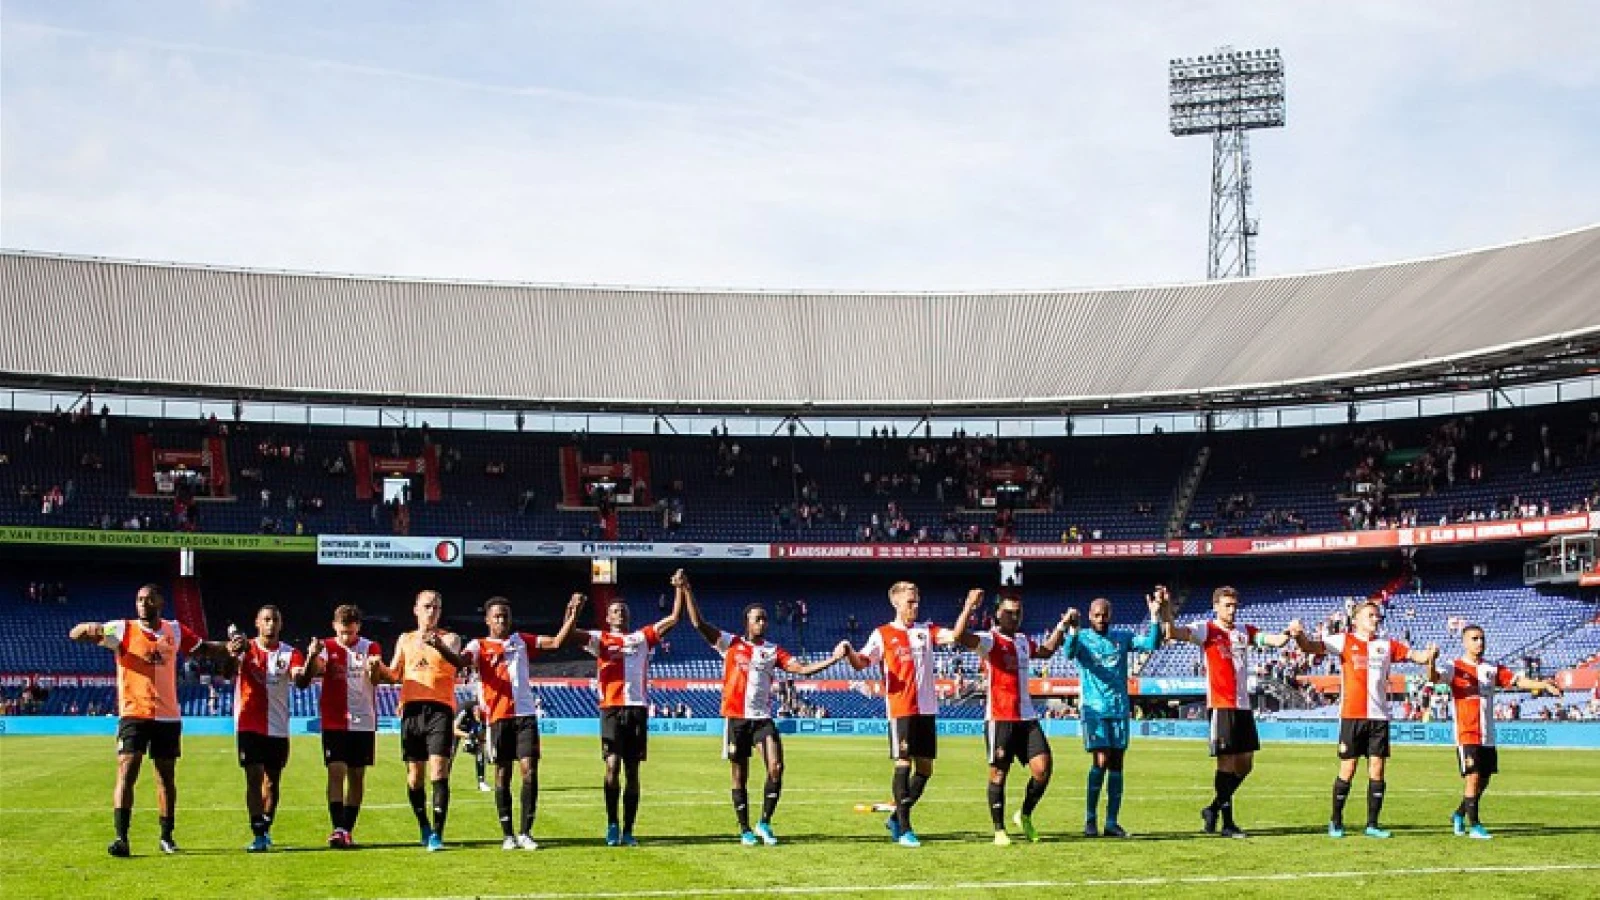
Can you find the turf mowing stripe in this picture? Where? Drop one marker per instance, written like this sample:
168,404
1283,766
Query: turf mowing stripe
1155,881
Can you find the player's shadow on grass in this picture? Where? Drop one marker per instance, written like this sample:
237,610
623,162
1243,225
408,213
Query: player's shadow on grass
1536,828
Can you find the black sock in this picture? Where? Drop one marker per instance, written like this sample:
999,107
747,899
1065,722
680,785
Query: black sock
441,805
167,824
997,805
1375,790
769,799
258,825
915,786
1461,808
419,806
122,818
613,794
741,808
1341,793
478,762
630,807
530,801
1032,795
1227,784
1471,804
502,805
336,814
350,813
902,788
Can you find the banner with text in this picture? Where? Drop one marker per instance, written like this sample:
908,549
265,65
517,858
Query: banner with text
615,549
375,550
157,540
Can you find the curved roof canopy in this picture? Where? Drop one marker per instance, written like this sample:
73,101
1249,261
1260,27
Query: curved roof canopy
1522,312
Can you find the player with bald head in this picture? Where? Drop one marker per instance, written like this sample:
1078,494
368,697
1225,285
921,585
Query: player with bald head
425,664
1102,653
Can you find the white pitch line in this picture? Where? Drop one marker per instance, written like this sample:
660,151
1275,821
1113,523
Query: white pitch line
1153,881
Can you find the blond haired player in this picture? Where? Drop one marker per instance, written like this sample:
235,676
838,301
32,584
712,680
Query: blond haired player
1364,660
904,648
146,649
425,664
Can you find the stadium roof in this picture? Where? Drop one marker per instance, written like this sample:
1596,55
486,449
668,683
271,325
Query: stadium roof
1528,311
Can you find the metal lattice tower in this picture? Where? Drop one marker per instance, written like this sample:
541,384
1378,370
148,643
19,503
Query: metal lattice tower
1226,94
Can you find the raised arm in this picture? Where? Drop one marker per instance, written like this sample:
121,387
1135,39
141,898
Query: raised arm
1057,636
671,621
795,667
1276,640
88,632
1424,657
685,592
1307,645
568,625
448,647
959,634
1538,686
378,673
313,666
1150,638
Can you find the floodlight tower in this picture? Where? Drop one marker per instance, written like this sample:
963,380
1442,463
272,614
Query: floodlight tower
1225,94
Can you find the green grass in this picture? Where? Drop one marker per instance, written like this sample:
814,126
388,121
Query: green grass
1545,810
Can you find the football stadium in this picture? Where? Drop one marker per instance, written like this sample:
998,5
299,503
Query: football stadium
379,586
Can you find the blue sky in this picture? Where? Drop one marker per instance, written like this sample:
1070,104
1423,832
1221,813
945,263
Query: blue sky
838,145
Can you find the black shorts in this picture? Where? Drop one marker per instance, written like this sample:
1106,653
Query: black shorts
1014,741
625,732
1478,759
1233,731
426,729
914,737
257,749
356,749
512,739
1363,737
162,740
740,736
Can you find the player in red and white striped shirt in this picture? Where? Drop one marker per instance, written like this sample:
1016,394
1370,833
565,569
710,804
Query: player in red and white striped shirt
904,648
1472,683
503,660
1364,660
349,716
749,665
1012,724
1225,648
622,662
266,667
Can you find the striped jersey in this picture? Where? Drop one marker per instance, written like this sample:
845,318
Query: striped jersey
1364,673
1472,687
748,672
1005,664
906,654
1226,653
349,698
622,663
261,692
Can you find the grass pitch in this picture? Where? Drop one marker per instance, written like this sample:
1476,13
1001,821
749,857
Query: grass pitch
1544,809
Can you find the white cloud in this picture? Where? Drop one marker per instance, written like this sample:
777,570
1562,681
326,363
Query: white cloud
771,145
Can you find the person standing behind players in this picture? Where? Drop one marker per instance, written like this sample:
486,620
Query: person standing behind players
1012,724
261,717
1364,660
1225,648
425,664
749,665
146,650
1102,657
622,662
503,662
468,736
904,647
1472,685
349,717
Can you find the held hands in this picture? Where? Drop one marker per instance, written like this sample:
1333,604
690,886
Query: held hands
680,580
237,644
1070,619
1296,629
314,649
974,599
841,651
575,604
431,639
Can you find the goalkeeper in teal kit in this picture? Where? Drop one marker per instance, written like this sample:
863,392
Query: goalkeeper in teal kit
1102,657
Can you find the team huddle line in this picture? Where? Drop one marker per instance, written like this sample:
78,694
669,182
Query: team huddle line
427,661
